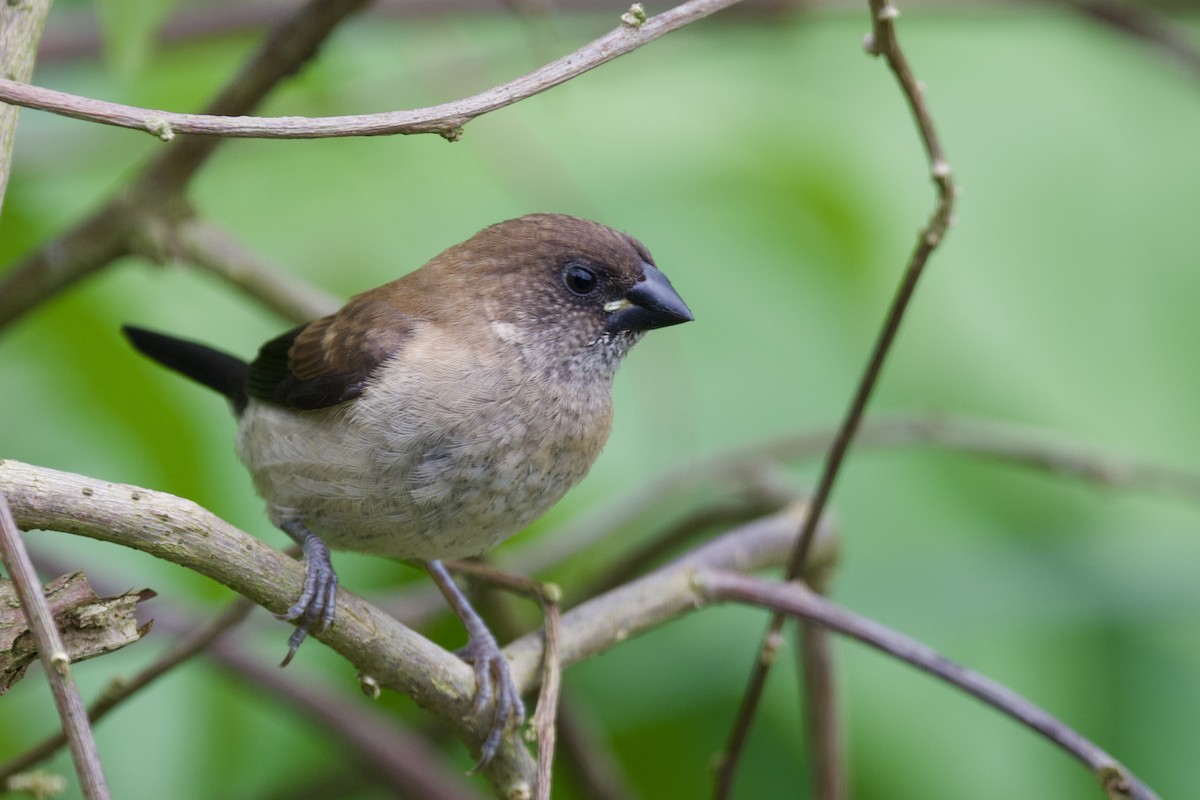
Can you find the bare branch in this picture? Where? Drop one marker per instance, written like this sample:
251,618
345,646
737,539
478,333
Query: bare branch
393,656
55,662
881,41
818,686
595,626
90,626
446,119
179,531
794,599
21,27
823,730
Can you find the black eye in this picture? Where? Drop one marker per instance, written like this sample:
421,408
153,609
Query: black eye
580,280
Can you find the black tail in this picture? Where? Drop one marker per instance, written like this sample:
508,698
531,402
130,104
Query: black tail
216,370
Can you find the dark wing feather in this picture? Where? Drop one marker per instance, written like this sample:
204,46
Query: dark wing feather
328,361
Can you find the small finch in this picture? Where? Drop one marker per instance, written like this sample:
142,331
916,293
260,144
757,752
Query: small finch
439,414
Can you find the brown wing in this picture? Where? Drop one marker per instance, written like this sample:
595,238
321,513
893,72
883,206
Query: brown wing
328,361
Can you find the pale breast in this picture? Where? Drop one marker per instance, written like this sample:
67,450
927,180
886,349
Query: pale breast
438,460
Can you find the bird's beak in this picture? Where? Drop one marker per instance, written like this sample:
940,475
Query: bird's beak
651,303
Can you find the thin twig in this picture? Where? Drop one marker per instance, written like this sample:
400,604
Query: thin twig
120,691
881,41
548,596
545,718
823,731
55,662
446,119
793,599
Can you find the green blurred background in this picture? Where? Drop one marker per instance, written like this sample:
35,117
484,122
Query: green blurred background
774,172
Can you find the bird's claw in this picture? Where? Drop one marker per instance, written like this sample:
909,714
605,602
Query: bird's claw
494,685
318,601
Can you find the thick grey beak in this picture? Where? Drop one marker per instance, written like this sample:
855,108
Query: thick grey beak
651,303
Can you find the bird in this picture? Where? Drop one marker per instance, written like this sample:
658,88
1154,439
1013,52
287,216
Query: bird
435,416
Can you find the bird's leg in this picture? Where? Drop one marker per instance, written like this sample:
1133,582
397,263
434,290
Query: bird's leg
317,602
491,668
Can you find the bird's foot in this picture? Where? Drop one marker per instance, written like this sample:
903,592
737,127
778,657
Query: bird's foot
318,601
494,685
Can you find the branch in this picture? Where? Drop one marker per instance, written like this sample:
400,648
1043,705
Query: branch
595,626
399,761
182,532
546,716
393,656
818,685
794,599
21,26
734,469
55,662
446,119
90,626
881,41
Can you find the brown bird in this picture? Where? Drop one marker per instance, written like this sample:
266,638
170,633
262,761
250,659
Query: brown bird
439,414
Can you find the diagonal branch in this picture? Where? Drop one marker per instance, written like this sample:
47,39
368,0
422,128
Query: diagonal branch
393,656
881,41
56,663
794,599
179,531
446,119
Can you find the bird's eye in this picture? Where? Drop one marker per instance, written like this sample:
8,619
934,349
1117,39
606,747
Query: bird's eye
580,280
